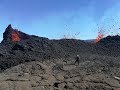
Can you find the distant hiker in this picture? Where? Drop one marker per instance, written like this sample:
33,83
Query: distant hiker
77,59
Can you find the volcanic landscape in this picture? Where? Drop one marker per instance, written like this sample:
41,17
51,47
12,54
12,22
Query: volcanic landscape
29,62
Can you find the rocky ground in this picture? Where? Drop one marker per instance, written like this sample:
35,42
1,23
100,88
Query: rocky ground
28,62
62,74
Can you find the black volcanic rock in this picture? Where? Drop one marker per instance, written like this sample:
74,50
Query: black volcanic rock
7,33
109,45
34,48
18,47
110,39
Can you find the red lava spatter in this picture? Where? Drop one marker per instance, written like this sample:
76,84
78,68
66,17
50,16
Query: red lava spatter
100,36
16,36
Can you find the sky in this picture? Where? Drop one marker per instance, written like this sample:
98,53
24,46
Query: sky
81,19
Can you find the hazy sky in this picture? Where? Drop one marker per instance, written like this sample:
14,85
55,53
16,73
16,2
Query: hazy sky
54,18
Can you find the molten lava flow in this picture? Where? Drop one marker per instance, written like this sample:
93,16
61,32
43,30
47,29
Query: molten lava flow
16,36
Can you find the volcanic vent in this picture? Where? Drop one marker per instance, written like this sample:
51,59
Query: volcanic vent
14,35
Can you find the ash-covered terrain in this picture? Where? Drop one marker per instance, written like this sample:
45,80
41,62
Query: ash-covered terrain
29,62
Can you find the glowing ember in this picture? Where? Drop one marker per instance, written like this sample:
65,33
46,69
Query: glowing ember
16,36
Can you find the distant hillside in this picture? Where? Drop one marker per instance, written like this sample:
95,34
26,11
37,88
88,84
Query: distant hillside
90,40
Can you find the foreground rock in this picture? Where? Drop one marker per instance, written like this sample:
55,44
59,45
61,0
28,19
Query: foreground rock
62,74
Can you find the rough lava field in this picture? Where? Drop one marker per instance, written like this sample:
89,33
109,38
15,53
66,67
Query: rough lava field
29,62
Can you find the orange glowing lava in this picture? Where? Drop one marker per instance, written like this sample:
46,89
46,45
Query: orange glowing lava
16,36
100,36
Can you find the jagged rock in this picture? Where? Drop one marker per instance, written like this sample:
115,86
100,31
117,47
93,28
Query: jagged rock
7,33
18,47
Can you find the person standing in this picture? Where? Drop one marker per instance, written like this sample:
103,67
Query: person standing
77,60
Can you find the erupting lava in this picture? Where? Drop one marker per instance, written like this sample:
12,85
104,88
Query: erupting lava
16,36
101,35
